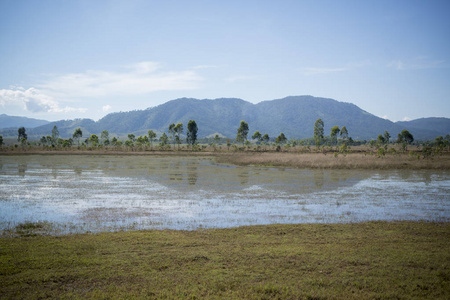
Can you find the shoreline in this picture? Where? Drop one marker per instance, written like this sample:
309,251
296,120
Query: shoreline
300,160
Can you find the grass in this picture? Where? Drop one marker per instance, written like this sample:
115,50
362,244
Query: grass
330,161
372,260
358,158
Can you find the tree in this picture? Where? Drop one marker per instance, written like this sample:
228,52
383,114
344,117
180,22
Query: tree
55,134
77,135
344,133
387,137
1,141
281,139
242,132
164,139
151,137
131,137
318,132
22,135
178,130
217,138
257,136
142,140
265,138
334,132
405,138
93,139
191,134
381,140
104,136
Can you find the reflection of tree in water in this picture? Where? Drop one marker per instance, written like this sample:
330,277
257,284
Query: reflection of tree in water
78,171
406,174
243,177
318,179
176,174
426,178
22,168
192,174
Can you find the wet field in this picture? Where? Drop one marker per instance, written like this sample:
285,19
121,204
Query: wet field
82,193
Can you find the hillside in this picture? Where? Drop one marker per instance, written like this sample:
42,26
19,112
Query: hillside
434,126
294,116
16,122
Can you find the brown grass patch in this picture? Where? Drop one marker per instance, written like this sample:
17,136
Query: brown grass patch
329,161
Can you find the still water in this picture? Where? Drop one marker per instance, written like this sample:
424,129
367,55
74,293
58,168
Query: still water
101,193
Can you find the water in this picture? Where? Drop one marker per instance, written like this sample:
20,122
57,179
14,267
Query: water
100,193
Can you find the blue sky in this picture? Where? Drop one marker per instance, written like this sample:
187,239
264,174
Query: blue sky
85,59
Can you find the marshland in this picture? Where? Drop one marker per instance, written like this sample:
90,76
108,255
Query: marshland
224,224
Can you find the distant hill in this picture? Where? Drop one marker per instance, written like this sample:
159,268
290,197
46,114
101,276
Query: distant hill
16,122
294,116
434,126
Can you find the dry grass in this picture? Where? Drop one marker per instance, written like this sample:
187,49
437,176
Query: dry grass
329,161
359,158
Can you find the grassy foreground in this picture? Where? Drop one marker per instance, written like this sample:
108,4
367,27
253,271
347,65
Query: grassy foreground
384,260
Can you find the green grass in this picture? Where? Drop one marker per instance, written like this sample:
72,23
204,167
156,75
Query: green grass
373,260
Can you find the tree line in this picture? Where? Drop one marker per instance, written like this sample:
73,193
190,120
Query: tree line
339,136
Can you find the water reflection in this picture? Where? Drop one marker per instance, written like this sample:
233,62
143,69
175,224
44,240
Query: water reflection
106,193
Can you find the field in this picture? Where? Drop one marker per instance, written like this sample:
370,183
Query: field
373,260
357,158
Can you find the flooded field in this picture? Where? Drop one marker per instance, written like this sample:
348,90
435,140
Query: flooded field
99,193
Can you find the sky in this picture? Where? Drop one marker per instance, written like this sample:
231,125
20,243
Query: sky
85,59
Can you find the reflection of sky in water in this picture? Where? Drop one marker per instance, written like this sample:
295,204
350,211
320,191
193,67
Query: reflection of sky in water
102,192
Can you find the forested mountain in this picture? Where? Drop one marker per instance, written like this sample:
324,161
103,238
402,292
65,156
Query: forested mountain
294,116
15,122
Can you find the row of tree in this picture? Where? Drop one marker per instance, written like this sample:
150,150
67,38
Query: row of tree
175,132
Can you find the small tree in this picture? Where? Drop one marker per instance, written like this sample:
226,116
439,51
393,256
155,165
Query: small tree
387,137
163,140
104,137
151,137
1,141
318,132
191,134
242,132
405,138
55,134
131,137
142,140
178,129
257,136
281,139
381,140
344,133
93,139
22,135
77,135
334,132
265,138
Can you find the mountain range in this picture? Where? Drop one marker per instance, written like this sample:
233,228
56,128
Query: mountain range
294,116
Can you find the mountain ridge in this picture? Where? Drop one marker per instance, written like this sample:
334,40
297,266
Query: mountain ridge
293,115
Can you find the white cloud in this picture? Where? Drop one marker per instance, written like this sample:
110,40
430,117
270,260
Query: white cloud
385,117
106,108
320,71
417,63
33,100
406,119
136,79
